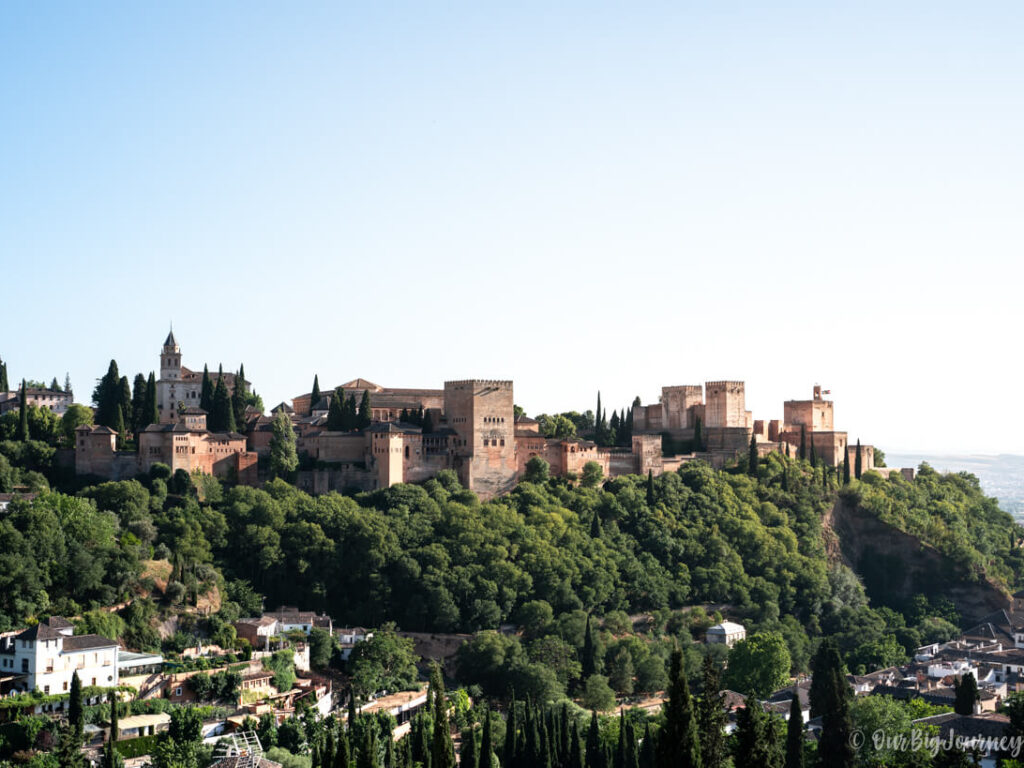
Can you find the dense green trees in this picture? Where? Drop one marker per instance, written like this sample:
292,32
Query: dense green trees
759,664
284,459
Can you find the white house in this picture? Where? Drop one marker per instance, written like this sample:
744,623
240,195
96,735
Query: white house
47,655
727,633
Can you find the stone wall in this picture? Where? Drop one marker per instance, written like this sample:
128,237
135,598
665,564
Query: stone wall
725,404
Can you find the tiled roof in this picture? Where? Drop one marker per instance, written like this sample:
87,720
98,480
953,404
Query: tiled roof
85,642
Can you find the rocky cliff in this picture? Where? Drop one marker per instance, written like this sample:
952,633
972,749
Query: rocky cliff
895,565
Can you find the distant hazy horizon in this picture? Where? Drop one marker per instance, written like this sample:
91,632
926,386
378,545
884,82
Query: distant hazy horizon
1000,475
574,196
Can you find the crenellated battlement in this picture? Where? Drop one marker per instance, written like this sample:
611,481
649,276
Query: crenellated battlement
462,383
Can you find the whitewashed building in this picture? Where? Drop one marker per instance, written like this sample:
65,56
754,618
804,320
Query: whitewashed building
727,633
45,658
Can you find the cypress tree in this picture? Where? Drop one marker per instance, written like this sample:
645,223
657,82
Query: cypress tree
442,750
238,398
111,757
650,487
67,381
803,443
427,423
314,397
613,428
367,757
404,416
620,747
138,417
595,525
966,694
4,384
813,456
858,462
531,747
23,413
563,732
487,743
336,411
106,395
698,434
152,413
751,736
752,458
206,391
647,755
589,660
365,413
679,744
711,717
795,735
342,759
595,754
830,699
119,427
597,419
54,386
511,755
222,419
124,399
575,752
350,417
389,754
846,468
76,715
468,757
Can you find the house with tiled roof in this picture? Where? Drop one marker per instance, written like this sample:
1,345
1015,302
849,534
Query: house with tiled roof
46,656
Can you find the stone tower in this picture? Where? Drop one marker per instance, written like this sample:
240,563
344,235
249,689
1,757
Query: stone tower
168,389
482,415
725,404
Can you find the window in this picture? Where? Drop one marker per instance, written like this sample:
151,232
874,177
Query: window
177,691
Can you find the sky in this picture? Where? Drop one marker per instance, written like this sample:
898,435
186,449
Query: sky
576,196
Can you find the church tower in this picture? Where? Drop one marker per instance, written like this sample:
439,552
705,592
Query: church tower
170,359
169,388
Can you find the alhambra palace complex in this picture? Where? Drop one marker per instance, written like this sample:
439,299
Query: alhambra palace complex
476,434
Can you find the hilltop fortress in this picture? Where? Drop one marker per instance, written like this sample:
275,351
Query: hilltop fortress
470,427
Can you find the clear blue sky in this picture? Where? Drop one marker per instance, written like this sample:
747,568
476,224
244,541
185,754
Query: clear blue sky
572,195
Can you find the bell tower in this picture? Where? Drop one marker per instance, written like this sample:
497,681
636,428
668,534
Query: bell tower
170,359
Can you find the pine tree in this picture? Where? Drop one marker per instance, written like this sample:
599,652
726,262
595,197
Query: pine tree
795,735
753,458
711,717
830,699
858,466
152,413
76,714
206,391
314,397
23,413
336,411
365,412
678,744
589,657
